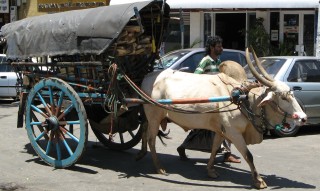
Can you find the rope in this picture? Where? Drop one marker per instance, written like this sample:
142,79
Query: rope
111,97
264,122
251,117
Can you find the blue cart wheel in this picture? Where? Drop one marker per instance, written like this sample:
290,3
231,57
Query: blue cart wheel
56,122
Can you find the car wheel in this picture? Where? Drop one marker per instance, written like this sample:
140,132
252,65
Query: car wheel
285,130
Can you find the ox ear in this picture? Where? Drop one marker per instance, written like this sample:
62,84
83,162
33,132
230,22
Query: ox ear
266,99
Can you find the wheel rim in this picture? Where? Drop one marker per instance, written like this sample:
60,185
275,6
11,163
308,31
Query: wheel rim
288,129
56,122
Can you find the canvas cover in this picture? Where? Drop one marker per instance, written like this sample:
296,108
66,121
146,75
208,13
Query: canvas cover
88,31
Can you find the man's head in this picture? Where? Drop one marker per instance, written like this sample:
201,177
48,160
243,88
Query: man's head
214,45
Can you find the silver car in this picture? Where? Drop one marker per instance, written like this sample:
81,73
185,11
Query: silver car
187,60
302,74
8,79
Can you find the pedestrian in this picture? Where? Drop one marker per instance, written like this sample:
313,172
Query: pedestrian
202,139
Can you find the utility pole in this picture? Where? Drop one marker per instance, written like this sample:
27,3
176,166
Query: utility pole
182,28
318,34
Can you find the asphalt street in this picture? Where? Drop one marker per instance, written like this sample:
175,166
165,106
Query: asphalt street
284,163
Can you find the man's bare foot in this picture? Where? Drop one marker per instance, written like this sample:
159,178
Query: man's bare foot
228,157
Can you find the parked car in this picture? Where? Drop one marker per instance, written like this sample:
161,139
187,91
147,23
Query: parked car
188,59
302,74
8,79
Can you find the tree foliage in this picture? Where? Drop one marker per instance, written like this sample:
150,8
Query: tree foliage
258,38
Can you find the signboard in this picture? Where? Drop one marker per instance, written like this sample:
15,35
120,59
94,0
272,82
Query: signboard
4,6
67,5
291,29
13,13
274,35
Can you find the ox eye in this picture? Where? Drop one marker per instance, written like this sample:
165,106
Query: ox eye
284,97
291,94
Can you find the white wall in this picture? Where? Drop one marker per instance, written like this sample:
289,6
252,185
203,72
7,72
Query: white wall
195,27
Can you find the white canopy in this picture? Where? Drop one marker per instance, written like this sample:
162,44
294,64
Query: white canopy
237,4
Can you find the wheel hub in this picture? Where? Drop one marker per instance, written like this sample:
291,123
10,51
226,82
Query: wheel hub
53,123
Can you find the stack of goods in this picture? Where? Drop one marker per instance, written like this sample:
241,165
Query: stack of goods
131,42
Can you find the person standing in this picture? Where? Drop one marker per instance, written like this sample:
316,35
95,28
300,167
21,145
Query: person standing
209,64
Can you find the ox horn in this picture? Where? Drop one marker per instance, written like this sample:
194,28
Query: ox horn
254,71
262,70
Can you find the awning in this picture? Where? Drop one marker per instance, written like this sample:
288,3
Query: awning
236,4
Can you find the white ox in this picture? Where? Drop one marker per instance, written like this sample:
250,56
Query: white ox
233,124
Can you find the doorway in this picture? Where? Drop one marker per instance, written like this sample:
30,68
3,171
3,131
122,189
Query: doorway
297,32
230,27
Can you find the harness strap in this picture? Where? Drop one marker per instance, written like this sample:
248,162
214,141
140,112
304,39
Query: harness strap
247,111
149,100
264,122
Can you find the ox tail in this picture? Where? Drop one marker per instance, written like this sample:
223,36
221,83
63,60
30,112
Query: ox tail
162,134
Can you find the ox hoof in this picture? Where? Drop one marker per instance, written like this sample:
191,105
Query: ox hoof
140,155
162,171
213,174
260,184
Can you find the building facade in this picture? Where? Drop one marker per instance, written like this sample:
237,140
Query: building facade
292,23
13,10
289,23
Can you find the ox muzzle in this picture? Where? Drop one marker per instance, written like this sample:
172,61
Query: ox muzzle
299,118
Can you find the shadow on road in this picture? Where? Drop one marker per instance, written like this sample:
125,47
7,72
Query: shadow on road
309,130
303,131
5,103
124,163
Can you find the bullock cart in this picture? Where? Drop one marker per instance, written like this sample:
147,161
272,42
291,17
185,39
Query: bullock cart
71,70
86,66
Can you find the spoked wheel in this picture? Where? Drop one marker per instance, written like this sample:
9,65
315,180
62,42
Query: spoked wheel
126,132
56,122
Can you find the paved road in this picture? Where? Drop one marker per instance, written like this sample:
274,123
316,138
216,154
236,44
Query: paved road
284,163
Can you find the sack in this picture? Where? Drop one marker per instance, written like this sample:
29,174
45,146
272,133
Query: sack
199,140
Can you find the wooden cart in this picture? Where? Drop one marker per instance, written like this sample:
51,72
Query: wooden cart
71,68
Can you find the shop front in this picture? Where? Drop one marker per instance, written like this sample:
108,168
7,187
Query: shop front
290,24
295,30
